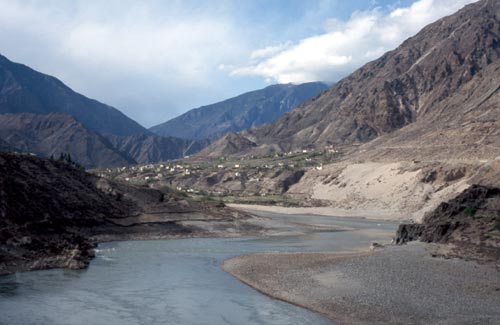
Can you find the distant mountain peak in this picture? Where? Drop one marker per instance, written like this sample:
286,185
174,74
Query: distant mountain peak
239,113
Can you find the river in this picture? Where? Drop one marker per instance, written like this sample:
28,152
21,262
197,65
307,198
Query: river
173,281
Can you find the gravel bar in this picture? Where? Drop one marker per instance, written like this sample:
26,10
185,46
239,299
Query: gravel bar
399,284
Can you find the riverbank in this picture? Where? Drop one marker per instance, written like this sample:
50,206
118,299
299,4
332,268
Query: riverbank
399,284
232,224
53,214
322,211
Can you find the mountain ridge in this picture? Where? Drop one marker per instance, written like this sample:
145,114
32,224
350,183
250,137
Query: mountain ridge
55,133
412,83
24,90
238,113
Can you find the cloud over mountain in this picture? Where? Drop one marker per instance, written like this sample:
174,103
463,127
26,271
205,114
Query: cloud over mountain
345,45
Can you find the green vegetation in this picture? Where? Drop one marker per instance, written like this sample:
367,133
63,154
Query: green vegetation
66,158
181,176
170,190
264,200
204,198
471,212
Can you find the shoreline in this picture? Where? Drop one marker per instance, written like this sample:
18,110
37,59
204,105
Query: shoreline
67,261
376,287
226,267
79,257
229,266
320,211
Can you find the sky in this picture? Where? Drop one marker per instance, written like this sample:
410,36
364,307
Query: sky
156,59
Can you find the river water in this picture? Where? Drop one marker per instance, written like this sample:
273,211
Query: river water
173,281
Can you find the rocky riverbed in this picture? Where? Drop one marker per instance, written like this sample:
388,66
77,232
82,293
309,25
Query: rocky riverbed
399,284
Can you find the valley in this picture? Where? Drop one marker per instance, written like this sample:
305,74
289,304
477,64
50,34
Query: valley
370,199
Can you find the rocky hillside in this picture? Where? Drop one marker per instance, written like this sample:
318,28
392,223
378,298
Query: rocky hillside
470,222
52,214
56,133
440,85
229,144
239,113
147,148
24,90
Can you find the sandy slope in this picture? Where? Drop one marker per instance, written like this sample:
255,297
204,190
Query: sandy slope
321,211
387,190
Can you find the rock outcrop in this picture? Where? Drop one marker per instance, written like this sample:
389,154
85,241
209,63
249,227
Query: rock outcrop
471,222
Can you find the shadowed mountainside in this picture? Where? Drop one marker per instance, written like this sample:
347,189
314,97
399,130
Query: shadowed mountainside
56,133
24,90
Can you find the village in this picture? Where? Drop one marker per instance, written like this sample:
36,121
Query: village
251,179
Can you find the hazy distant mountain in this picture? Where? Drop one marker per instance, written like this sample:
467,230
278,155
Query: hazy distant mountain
437,94
24,90
56,133
239,113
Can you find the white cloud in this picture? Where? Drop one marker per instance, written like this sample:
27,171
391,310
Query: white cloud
345,45
270,50
146,58
155,59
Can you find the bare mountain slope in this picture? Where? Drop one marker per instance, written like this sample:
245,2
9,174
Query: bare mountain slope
229,144
239,113
56,133
464,126
416,127
147,148
413,83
